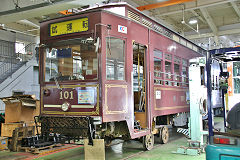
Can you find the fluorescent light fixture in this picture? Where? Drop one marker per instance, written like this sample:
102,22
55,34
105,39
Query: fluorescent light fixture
192,21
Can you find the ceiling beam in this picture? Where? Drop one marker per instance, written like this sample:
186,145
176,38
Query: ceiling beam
162,4
193,6
220,33
22,28
209,20
236,9
27,22
198,16
34,11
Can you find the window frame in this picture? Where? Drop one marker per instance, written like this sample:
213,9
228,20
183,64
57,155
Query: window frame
161,79
185,84
168,80
125,57
43,64
178,82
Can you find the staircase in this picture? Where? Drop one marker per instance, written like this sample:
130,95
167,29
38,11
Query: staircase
10,65
7,69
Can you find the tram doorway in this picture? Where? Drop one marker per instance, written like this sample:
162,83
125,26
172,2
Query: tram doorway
139,86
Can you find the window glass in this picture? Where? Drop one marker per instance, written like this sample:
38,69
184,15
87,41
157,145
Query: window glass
184,62
74,61
157,53
168,70
184,71
176,69
158,71
177,74
115,62
168,57
236,77
177,59
184,75
236,82
157,67
236,69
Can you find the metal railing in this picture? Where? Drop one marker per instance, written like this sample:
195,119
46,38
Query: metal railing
10,64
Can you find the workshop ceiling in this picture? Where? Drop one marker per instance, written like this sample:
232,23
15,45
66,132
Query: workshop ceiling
24,15
218,21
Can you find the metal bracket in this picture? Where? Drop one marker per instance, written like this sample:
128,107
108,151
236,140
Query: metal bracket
91,131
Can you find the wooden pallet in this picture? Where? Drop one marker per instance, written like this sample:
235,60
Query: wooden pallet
19,134
40,149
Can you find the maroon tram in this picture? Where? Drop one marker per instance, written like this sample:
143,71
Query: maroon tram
111,72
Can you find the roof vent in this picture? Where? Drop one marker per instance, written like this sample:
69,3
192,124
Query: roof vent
146,23
133,16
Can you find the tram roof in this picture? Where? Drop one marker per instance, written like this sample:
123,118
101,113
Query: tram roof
177,36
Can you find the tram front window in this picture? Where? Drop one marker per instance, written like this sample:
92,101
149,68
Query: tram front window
73,61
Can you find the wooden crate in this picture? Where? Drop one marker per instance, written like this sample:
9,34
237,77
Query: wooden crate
3,143
7,128
16,112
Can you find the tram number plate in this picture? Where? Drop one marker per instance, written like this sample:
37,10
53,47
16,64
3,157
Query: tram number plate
67,27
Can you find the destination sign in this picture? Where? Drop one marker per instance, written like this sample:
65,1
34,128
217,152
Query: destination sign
67,27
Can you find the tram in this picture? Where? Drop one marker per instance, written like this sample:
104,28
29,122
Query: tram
112,72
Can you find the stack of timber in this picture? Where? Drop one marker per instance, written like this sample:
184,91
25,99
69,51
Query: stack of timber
20,111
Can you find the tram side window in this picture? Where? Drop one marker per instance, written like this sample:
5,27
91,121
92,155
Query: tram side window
177,61
184,72
158,67
236,77
168,70
115,62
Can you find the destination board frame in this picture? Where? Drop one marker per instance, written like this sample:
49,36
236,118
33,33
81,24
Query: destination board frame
66,28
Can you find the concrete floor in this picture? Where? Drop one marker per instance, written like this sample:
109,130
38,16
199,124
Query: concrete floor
118,150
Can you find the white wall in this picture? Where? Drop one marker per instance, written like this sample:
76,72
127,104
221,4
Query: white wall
25,80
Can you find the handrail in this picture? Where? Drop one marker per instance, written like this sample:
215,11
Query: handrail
12,63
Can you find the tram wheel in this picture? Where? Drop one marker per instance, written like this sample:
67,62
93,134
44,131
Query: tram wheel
163,135
148,141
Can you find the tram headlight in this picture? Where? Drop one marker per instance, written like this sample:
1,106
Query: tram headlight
65,106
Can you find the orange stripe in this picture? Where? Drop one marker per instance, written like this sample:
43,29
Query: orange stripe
162,4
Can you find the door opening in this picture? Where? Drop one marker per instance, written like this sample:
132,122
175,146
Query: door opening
139,86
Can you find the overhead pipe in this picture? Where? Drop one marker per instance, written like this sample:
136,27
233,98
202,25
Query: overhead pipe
162,4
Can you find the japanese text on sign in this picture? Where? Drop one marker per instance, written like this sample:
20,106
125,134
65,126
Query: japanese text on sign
67,27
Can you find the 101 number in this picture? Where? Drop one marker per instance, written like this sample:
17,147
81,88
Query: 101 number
66,95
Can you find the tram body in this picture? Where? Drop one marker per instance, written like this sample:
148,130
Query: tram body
113,71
